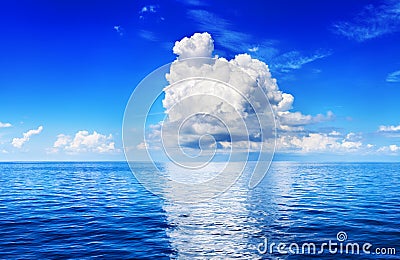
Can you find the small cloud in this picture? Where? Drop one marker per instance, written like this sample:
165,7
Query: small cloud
389,128
148,145
394,148
393,77
149,9
5,125
371,22
142,146
334,133
295,121
152,12
389,149
254,49
84,142
19,142
119,29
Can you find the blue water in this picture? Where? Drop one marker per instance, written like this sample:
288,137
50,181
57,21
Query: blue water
99,210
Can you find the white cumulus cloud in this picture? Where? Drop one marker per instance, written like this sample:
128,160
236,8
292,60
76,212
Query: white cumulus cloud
199,89
295,121
199,45
391,149
255,85
19,142
389,128
83,142
5,125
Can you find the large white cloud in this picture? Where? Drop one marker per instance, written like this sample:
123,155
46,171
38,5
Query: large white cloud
207,106
19,142
84,142
213,103
185,97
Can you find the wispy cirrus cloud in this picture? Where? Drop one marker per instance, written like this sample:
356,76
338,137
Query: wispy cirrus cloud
148,35
393,77
295,60
220,28
231,39
266,49
193,2
372,22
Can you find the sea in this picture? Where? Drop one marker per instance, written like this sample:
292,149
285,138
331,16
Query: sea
98,210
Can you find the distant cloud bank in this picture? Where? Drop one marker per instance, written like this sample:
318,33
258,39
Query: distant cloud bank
84,142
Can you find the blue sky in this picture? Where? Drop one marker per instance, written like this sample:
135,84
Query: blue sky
68,68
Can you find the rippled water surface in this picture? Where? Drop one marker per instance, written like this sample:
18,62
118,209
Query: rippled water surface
99,210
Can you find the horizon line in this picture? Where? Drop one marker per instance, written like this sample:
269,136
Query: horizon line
125,161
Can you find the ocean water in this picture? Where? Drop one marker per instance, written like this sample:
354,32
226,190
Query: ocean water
99,210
